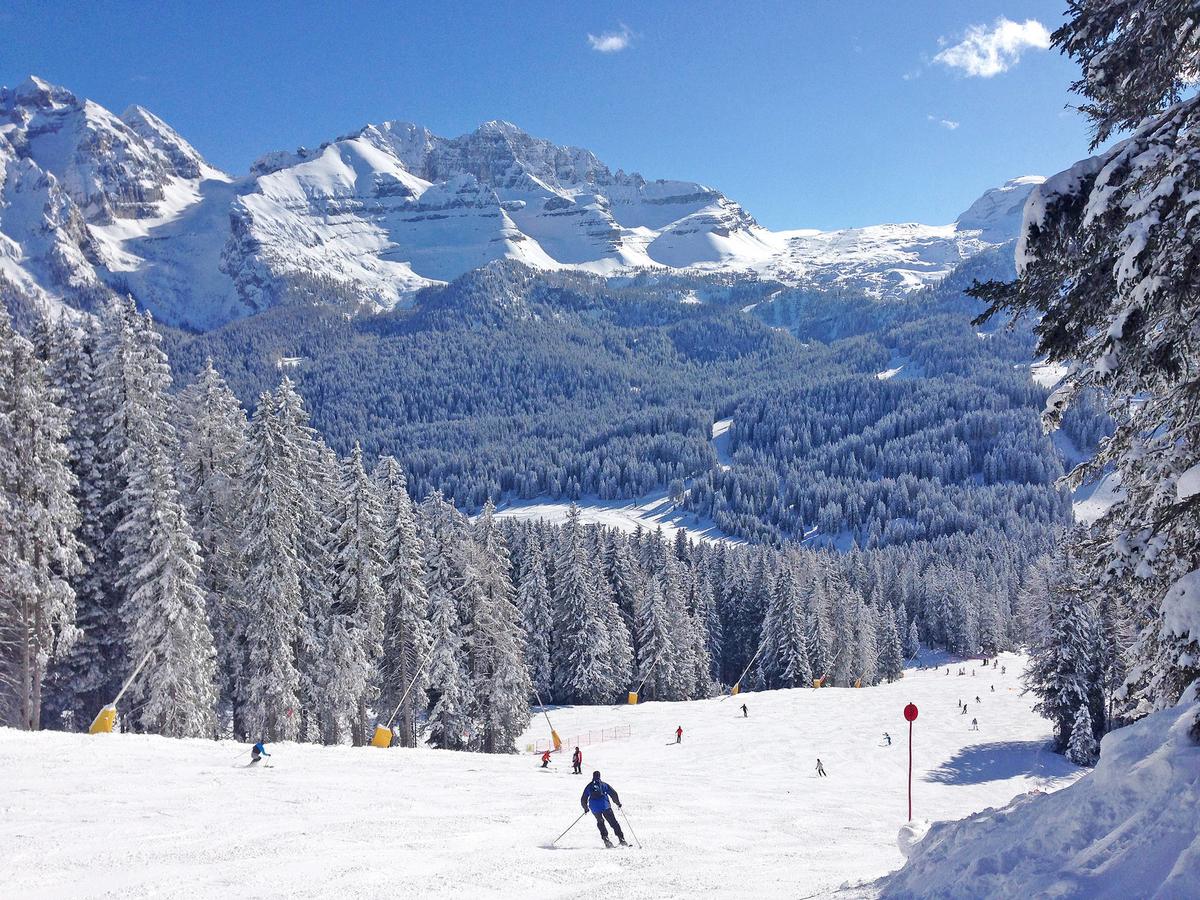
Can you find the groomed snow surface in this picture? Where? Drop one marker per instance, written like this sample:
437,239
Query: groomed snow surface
1130,829
736,809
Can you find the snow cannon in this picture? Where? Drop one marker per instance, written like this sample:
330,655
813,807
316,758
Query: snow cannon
737,689
105,720
557,740
633,698
382,737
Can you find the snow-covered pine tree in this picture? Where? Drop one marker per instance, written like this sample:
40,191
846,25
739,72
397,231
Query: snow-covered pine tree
537,616
868,649
406,640
39,553
164,610
1108,270
620,657
655,660
784,661
87,676
1063,671
353,632
270,566
1083,748
818,637
708,621
213,456
889,652
581,640
314,472
844,665
450,723
912,642
502,685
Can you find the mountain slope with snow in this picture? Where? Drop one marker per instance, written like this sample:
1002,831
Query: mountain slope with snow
735,810
1129,829
92,202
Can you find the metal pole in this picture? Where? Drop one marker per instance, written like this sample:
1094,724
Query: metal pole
630,824
569,827
910,724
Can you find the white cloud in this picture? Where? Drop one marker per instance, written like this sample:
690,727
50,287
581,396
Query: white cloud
611,41
989,50
948,124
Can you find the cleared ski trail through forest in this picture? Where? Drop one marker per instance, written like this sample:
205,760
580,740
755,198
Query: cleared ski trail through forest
737,808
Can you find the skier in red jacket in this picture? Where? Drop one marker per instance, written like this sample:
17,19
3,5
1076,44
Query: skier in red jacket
546,759
679,735
577,760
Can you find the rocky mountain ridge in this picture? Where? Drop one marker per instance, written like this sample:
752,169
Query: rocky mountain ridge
92,202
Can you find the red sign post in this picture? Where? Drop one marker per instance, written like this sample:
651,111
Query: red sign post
910,713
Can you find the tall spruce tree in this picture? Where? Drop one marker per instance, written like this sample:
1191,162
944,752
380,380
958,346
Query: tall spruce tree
403,671
39,553
1108,269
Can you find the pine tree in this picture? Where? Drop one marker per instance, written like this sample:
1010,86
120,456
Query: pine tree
213,456
1063,669
537,615
502,685
353,630
1108,270
39,553
450,724
270,566
164,609
1083,750
784,661
890,654
313,471
406,641
84,679
581,641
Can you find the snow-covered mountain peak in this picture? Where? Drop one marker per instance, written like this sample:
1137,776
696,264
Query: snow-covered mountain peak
185,159
997,213
33,91
369,218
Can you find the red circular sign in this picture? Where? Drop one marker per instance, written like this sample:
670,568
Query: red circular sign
910,712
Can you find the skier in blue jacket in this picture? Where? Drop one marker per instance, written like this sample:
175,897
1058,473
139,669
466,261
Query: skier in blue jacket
258,752
596,798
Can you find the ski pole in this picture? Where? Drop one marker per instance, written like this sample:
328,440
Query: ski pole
630,824
569,827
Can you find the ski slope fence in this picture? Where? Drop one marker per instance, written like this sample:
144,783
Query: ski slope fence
596,736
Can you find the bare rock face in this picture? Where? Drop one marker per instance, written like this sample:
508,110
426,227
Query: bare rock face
94,202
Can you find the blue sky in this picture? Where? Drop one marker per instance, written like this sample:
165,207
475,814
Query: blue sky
811,114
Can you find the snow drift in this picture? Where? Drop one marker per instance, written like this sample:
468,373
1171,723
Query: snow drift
1129,829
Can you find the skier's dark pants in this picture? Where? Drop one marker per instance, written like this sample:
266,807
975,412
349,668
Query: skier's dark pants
612,820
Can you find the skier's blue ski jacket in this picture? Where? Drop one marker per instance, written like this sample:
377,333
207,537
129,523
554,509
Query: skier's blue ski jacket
596,795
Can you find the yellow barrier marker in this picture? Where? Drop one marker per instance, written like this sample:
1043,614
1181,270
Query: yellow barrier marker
633,695
105,721
382,737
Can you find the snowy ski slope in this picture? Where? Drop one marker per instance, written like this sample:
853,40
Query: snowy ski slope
735,810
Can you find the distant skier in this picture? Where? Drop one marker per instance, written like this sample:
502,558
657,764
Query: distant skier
745,712
546,760
679,735
977,700
820,768
257,752
1003,669
887,738
596,798
974,724
577,760
993,689
964,709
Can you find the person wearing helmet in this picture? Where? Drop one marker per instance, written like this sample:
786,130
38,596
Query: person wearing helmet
596,797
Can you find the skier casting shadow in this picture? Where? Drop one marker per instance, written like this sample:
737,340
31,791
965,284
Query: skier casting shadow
595,798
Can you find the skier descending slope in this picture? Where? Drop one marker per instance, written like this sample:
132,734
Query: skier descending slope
577,761
257,752
595,797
